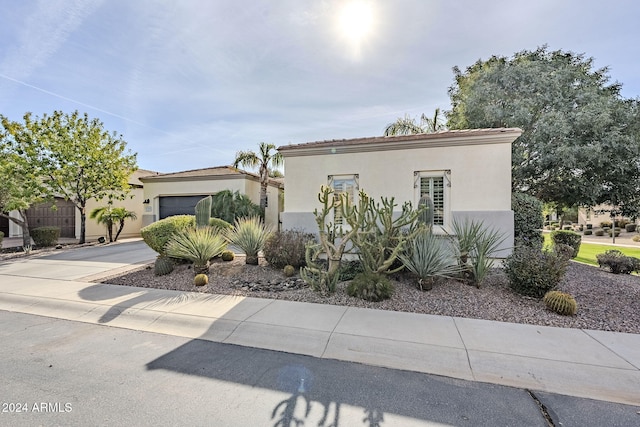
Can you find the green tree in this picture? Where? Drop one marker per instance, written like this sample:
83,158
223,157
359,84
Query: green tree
74,157
266,160
579,145
409,126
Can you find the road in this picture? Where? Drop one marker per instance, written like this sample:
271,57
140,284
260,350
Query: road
58,372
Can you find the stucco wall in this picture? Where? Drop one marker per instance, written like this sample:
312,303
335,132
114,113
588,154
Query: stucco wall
133,203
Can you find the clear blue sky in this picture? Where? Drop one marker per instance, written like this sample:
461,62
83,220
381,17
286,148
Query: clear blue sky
188,83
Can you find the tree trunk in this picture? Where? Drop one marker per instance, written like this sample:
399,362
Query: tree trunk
26,235
115,239
83,224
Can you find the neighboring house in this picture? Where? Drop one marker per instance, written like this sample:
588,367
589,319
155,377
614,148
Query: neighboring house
177,193
67,217
597,214
467,174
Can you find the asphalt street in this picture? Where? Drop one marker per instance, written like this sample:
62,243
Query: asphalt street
59,372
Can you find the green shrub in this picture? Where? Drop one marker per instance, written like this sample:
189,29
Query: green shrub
528,219
617,262
621,223
567,227
611,233
589,226
45,236
230,206
1,237
349,270
588,232
197,245
599,232
569,238
219,223
370,287
533,272
636,238
630,228
287,248
157,234
249,234
606,224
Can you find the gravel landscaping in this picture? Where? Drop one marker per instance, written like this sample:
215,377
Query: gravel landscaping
606,301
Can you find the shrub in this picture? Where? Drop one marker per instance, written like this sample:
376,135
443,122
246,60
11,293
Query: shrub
370,287
197,245
430,257
201,279
287,248
157,234
227,256
45,236
589,226
599,232
230,206
617,262
1,237
534,272
567,227
250,235
621,223
630,228
289,270
611,233
560,302
588,232
528,219
349,270
606,224
636,238
163,265
569,238
219,223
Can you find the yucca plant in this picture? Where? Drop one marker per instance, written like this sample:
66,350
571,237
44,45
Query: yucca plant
430,257
197,245
249,234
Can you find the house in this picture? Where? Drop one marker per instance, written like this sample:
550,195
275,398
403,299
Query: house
178,192
67,218
466,173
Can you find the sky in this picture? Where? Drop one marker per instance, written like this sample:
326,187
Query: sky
189,83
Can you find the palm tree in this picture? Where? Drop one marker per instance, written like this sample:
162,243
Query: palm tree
409,126
104,215
265,161
119,215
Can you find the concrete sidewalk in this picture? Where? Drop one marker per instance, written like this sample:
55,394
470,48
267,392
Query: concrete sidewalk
583,363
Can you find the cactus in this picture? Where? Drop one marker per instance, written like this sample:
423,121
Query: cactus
425,204
163,265
203,212
561,303
289,270
200,279
227,256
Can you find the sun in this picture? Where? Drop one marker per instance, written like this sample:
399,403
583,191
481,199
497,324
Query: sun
356,20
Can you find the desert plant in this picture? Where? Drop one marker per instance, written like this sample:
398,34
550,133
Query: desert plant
425,209
617,262
630,228
565,237
350,269
203,212
230,206
249,234
45,236
430,257
370,287
289,270
227,256
477,245
197,245
157,234
163,265
560,302
219,223
287,248
201,279
534,272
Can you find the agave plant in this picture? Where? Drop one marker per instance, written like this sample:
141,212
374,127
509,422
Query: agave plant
197,245
430,257
249,234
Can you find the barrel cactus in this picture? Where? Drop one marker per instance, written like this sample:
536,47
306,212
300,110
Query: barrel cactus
561,302
227,256
163,265
200,279
289,270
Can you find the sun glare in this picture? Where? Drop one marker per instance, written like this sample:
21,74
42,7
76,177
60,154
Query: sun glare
356,20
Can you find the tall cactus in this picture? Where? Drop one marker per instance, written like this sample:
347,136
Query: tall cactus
203,212
426,210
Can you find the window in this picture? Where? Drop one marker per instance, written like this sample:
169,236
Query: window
434,184
343,184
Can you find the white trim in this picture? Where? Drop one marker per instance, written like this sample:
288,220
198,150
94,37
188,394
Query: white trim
446,181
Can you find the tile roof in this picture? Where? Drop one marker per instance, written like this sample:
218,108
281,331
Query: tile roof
219,172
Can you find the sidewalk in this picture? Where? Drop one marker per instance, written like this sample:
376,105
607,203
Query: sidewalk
583,363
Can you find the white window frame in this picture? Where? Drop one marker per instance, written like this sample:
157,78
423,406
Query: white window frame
445,175
343,178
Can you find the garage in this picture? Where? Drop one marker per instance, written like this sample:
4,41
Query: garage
64,216
178,205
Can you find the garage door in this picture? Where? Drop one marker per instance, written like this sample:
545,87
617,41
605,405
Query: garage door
41,215
178,205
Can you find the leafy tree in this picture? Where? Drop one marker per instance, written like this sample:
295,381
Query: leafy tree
73,156
579,145
408,126
265,160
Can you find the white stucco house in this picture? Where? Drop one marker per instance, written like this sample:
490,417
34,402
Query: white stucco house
167,194
467,173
